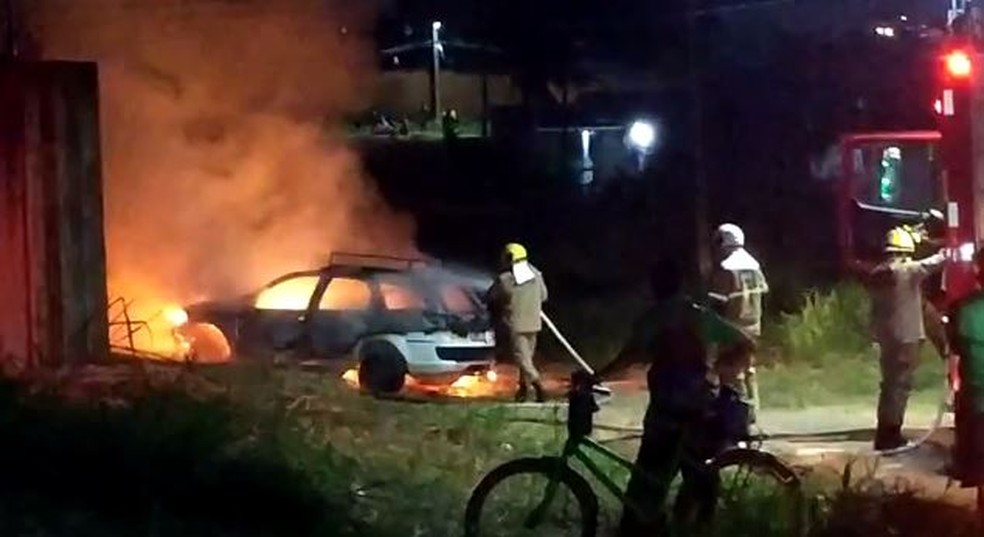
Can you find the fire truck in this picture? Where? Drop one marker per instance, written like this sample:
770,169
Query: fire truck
932,178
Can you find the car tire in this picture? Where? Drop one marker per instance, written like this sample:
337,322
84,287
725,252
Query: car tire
382,369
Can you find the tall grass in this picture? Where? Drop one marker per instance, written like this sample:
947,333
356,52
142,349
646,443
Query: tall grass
823,354
831,325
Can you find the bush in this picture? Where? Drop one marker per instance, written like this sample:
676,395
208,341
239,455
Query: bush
164,464
830,325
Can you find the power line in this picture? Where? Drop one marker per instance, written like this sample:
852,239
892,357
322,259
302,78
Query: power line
747,6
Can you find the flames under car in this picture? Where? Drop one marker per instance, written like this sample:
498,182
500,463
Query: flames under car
394,316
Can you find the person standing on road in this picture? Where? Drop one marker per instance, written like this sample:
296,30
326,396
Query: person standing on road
898,327
737,286
687,420
966,331
516,301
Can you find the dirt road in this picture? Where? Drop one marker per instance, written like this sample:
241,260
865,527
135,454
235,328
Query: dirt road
829,439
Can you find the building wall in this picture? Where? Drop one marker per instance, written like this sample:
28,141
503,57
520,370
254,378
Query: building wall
405,92
53,280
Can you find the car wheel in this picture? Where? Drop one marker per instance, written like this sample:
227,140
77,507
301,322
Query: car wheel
382,369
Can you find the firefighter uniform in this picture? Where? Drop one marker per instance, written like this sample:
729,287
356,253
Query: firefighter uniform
898,327
737,287
516,301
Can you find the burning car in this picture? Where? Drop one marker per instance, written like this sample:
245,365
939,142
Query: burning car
395,316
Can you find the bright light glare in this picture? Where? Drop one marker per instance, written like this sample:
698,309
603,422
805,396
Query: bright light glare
491,375
885,31
436,25
966,252
176,316
958,64
642,135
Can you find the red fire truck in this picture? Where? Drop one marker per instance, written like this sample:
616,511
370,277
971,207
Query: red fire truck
925,178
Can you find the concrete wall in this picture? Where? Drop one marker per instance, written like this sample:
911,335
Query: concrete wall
405,92
53,275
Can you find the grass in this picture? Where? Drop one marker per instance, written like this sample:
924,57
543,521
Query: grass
249,451
819,355
824,351
272,453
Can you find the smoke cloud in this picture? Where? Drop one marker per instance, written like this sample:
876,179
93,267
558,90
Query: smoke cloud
220,172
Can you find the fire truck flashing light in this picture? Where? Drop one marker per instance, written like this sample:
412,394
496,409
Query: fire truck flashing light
959,65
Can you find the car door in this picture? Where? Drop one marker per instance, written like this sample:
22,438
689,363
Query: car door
275,321
339,314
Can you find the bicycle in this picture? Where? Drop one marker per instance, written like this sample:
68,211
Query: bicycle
563,480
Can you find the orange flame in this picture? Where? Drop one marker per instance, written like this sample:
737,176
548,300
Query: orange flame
465,386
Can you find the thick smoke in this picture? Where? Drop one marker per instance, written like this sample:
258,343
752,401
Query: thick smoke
219,170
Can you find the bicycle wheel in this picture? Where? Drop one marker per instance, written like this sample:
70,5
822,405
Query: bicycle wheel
758,494
514,500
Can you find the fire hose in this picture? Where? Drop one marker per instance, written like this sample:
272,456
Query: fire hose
944,406
571,351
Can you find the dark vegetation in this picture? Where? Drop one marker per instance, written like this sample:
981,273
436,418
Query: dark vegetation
252,452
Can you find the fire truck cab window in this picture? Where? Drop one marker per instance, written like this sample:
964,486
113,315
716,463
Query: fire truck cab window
293,294
346,294
401,297
900,175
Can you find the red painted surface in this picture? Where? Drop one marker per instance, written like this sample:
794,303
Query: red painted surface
15,281
52,280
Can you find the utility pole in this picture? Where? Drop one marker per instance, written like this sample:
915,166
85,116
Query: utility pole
436,50
702,229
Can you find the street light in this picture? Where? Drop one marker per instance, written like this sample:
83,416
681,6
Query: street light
641,139
642,136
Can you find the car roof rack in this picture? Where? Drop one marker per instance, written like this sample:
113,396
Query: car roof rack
348,259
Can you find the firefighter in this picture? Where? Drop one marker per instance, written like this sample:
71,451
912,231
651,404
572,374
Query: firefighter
516,301
681,428
966,333
898,327
929,237
737,287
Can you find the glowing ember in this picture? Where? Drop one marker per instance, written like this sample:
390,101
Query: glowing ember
475,385
351,377
203,343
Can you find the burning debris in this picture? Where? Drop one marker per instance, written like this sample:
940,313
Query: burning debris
219,171
472,385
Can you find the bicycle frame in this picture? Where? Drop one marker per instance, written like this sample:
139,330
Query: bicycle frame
580,449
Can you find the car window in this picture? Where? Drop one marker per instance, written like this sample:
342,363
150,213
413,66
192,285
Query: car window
456,300
346,294
401,297
291,295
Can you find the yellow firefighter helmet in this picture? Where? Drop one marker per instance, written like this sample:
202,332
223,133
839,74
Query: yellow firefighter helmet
900,240
514,252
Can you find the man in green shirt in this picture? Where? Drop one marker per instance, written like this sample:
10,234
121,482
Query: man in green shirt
681,428
967,340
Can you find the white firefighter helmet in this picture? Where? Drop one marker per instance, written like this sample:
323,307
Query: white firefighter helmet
730,236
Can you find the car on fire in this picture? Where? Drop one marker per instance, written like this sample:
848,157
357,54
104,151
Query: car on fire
394,316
